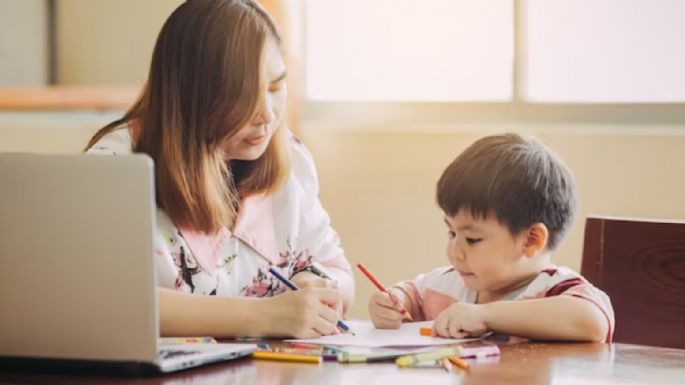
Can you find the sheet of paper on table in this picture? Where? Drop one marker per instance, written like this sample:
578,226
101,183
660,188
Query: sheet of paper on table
366,335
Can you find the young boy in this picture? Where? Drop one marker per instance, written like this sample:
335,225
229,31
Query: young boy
507,201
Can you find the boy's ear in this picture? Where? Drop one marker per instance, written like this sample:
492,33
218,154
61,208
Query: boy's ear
535,239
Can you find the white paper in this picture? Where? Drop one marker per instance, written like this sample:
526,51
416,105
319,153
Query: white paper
368,336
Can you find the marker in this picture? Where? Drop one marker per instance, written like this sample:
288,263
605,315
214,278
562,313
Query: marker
326,355
293,287
459,362
357,358
321,271
413,359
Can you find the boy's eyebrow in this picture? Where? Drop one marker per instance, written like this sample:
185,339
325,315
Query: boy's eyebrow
467,227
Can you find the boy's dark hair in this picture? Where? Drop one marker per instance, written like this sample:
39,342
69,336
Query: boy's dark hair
517,180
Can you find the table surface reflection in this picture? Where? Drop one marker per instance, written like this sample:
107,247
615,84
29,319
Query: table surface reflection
527,363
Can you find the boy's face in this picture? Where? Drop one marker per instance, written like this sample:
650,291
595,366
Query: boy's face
485,253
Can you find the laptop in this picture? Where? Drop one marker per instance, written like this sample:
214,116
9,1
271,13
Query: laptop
77,275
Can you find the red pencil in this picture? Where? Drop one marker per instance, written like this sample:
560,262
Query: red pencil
381,288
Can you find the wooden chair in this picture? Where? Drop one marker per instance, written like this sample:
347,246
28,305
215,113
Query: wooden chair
640,264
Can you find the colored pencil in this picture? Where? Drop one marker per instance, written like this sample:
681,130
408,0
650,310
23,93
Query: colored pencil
381,288
426,331
341,325
267,355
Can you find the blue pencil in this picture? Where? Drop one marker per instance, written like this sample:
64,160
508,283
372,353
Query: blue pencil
294,287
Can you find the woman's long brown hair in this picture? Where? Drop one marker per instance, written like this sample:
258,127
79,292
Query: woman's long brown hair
203,86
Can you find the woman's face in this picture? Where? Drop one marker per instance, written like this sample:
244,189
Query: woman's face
250,142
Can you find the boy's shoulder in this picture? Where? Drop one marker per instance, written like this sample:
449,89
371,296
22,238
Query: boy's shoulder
444,279
552,281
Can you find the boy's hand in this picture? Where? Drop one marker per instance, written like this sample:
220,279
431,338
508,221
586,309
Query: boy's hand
385,310
461,320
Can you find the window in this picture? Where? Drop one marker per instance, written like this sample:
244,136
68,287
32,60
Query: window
404,50
617,51
566,51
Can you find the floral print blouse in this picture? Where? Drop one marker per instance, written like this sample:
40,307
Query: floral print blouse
287,230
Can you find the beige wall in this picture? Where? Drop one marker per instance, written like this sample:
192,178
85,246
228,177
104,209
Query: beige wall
23,43
57,132
378,168
378,183
108,42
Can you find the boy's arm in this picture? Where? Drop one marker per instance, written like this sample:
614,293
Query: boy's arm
562,317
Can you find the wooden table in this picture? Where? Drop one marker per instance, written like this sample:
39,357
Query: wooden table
529,363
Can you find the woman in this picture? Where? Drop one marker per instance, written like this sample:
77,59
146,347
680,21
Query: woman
236,192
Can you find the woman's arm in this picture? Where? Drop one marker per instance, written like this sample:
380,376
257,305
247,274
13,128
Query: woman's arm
182,314
302,314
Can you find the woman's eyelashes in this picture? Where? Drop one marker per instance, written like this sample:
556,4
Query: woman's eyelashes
276,86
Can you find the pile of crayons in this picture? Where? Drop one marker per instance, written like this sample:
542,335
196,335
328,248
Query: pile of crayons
446,358
295,352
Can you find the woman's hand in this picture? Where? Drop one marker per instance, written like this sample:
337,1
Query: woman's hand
385,310
461,320
306,313
305,279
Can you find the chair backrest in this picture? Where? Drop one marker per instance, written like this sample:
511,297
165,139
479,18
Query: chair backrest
640,264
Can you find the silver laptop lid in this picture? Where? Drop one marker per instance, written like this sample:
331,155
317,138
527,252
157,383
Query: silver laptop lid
76,251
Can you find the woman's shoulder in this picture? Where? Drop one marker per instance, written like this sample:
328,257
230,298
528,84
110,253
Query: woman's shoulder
303,168
117,141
